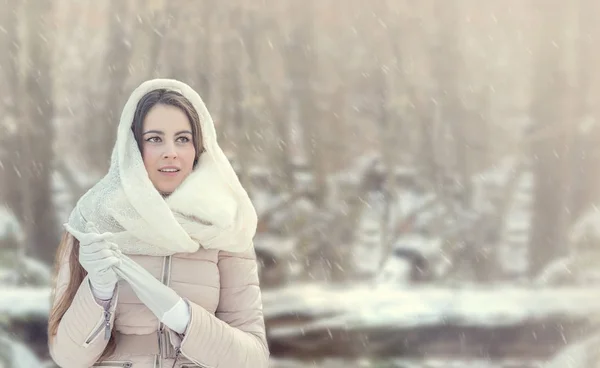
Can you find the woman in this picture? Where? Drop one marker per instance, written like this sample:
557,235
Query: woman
157,267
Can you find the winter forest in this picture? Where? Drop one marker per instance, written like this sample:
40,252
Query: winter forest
424,172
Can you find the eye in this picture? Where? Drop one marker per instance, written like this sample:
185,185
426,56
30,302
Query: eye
153,139
183,139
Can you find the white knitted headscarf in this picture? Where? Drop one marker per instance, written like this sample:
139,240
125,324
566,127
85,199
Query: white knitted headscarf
210,208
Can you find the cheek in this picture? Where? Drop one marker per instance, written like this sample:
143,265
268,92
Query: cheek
187,155
149,156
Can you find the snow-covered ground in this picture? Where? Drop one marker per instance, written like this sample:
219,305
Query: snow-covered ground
9,225
19,354
408,363
21,304
24,302
583,354
513,252
385,306
433,222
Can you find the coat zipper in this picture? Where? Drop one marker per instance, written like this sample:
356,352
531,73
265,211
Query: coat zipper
104,323
162,338
177,352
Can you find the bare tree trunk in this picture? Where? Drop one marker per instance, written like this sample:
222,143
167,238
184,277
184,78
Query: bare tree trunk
154,26
238,71
550,153
427,143
427,111
201,74
302,65
38,134
586,152
10,172
278,106
303,68
12,149
175,25
388,148
287,113
103,133
447,69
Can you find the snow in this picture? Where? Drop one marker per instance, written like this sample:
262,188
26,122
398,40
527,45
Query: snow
34,267
23,302
262,201
397,268
586,228
580,265
462,363
385,306
498,174
583,354
367,248
278,246
406,363
427,245
554,272
64,196
10,225
430,215
8,276
19,352
27,269
395,271
513,252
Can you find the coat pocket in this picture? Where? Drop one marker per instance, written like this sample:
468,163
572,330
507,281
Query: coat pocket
115,363
103,324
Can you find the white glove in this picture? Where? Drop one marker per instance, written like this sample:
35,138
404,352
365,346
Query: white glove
98,257
163,301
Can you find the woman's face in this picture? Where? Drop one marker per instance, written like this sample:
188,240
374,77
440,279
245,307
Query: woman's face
167,147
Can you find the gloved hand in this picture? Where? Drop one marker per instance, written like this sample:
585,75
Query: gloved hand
98,256
163,301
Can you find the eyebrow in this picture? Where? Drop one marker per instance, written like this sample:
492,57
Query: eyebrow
160,132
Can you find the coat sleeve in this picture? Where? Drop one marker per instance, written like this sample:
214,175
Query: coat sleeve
235,336
85,327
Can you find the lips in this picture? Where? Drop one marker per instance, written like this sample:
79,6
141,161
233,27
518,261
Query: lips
169,169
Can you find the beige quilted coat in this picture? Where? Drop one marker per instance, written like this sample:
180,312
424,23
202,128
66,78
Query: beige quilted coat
226,329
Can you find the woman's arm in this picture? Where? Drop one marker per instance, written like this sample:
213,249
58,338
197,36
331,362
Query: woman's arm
236,336
85,327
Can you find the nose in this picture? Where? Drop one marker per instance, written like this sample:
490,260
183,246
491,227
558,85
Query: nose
170,151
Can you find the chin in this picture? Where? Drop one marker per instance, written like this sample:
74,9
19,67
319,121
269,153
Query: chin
166,188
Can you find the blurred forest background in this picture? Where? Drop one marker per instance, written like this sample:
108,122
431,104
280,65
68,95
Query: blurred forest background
425,172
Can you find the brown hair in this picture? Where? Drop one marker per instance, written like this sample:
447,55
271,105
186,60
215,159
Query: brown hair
76,271
169,98
76,275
